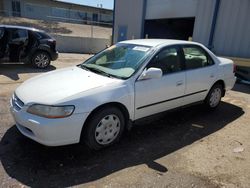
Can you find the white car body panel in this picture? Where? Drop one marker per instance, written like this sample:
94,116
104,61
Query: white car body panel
152,91
54,86
225,72
87,91
201,86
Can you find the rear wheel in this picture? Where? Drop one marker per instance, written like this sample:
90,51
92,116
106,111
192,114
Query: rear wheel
41,60
104,128
213,98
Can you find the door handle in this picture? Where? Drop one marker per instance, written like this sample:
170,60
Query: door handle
179,83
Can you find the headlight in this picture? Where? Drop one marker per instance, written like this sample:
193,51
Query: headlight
51,111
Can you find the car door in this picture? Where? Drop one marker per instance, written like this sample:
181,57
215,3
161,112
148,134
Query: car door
200,73
157,95
18,40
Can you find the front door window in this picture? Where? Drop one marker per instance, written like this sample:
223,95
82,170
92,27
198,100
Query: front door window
168,60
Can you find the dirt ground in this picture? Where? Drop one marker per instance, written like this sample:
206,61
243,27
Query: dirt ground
186,148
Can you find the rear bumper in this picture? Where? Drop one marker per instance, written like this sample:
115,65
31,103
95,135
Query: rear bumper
229,82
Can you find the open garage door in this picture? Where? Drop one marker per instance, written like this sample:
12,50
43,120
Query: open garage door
177,28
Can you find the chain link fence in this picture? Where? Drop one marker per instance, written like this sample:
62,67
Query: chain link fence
72,35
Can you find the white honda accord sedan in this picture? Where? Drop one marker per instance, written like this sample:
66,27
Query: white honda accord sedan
96,100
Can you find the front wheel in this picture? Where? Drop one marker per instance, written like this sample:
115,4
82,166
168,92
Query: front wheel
213,98
104,128
41,60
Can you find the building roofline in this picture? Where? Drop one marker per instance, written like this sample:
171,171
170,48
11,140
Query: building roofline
81,5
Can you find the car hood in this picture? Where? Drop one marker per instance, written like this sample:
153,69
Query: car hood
49,88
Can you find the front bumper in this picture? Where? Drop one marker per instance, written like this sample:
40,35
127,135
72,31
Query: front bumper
49,132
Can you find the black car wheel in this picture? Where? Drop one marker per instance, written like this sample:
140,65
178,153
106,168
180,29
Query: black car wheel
213,98
41,60
104,128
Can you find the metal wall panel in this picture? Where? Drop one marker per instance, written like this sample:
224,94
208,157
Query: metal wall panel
1,6
203,21
129,13
232,33
159,9
232,30
35,11
7,7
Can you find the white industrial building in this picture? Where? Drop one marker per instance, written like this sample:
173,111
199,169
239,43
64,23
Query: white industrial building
222,25
55,10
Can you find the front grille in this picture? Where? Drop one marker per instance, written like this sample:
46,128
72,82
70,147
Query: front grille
17,103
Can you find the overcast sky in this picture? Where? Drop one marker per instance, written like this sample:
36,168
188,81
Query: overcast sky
105,3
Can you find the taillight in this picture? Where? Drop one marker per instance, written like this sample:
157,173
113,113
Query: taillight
50,40
52,43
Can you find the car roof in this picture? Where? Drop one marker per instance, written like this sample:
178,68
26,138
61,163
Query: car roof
20,27
157,42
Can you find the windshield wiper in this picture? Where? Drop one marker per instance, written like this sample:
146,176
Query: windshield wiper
98,71
83,67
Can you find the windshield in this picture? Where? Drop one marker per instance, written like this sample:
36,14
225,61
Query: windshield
120,60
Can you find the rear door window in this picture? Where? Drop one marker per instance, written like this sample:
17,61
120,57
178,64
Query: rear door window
19,35
168,60
196,57
41,35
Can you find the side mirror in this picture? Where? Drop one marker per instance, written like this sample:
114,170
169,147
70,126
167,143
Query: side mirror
151,73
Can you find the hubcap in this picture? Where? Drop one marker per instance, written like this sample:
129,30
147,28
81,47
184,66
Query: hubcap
41,60
107,129
215,97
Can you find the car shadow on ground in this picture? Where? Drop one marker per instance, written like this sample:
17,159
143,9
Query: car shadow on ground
12,70
38,166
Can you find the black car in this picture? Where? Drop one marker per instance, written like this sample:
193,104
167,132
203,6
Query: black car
28,45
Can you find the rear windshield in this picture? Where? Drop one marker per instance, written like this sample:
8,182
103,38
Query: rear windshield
41,35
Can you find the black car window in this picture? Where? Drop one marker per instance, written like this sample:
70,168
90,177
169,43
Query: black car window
168,60
196,57
1,32
19,35
41,35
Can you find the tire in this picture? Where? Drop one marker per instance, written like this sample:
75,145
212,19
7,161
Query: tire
41,60
214,96
104,128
